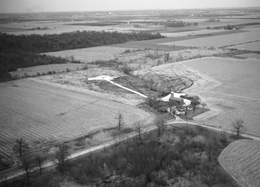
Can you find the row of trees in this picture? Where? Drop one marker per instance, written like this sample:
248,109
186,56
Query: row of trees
179,24
29,161
56,42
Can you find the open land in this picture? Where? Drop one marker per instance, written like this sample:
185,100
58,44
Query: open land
90,54
45,69
241,160
253,46
45,113
235,94
219,41
66,105
27,28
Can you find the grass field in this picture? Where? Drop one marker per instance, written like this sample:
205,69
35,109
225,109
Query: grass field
254,46
45,113
45,69
54,27
90,54
236,92
196,32
219,40
241,160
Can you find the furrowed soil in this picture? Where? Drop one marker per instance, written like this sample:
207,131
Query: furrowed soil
44,113
242,160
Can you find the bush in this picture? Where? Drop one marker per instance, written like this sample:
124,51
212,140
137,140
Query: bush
126,69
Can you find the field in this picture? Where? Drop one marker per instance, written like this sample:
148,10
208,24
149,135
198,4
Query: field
232,93
241,160
219,41
90,54
254,46
43,113
54,27
196,32
45,69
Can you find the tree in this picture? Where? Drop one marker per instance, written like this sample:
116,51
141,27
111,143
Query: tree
203,105
194,103
27,165
61,155
161,127
120,121
39,161
138,129
238,126
20,146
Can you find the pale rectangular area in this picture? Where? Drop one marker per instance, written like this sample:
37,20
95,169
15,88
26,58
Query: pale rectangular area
43,112
219,41
90,54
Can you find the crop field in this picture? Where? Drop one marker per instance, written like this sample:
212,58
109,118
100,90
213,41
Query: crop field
236,93
219,41
90,54
254,46
42,113
241,160
52,27
196,32
228,21
45,69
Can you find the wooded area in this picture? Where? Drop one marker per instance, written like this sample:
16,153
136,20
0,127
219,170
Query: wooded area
23,51
177,156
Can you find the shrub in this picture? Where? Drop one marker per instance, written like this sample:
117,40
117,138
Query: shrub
126,69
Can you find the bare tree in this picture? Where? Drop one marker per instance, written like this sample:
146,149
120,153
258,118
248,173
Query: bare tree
161,127
120,121
238,126
203,105
61,155
27,165
20,146
138,129
39,159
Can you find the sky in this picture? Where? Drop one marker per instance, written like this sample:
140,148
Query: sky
28,6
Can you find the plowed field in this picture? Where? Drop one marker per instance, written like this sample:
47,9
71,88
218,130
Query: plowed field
41,112
242,160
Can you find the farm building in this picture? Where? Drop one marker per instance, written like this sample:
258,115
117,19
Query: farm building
177,100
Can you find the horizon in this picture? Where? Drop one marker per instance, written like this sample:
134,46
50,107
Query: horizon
48,6
132,10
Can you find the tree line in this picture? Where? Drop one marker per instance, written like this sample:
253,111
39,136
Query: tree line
23,51
176,156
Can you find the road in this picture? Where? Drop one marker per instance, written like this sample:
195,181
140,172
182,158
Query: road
118,140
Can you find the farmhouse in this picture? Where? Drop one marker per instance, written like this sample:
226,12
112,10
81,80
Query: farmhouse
177,100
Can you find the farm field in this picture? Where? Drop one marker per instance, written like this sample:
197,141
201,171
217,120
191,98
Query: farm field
59,27
196,32
241,160
228,21
219,41
254,46
233,94
45,69
43,113
90,54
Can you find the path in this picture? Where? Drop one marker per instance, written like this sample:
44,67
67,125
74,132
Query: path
109,79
